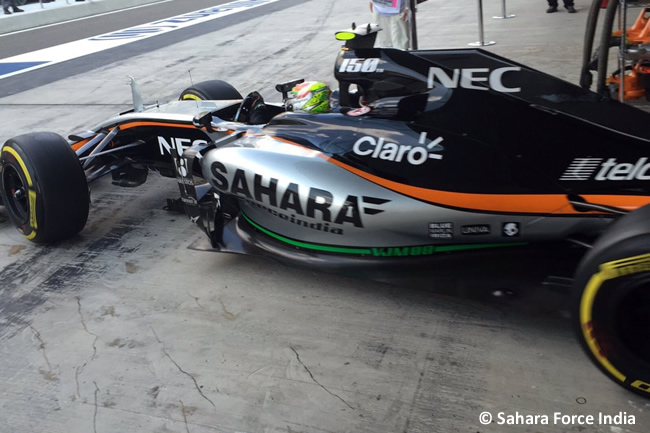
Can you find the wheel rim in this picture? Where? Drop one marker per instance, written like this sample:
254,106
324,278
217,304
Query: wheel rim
16,193
633,321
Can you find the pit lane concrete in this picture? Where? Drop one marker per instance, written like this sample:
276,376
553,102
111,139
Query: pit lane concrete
39,14
126,329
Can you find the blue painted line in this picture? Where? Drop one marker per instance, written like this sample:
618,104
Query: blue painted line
49,56
8,68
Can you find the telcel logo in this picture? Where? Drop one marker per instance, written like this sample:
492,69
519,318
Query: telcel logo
379,148
611,170
584,169
470,77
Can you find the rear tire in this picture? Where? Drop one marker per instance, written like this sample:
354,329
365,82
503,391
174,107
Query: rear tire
43,187
213,90
612,302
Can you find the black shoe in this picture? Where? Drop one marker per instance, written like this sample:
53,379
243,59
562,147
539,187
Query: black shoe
17,9
7,11
571,9
551,9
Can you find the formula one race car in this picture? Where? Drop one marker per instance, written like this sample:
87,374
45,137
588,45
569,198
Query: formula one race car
440,156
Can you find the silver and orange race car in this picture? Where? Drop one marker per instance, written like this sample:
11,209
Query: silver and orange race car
442,158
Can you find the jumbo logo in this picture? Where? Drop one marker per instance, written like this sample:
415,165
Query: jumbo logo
472,78
378,148
179,144
425,250
294,201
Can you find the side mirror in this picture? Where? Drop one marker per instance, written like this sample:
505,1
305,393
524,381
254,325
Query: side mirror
203,119
285,88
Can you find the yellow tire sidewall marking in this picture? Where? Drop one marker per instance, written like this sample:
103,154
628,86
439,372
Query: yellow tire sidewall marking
639,384
608,271
31,193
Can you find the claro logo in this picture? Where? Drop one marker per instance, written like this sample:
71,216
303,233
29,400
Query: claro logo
473,78
378,148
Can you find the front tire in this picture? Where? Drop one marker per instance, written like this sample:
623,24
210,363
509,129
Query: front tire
43,187
612,302
212,90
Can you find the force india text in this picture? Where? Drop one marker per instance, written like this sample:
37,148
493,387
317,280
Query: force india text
558,418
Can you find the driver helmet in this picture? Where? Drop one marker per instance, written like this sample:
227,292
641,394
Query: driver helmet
311,97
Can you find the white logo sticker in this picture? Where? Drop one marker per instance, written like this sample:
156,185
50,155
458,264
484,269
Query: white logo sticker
511,230
472,77
395,152
582,169
180,144
360,65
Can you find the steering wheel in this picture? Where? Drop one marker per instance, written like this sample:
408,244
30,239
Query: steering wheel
244,112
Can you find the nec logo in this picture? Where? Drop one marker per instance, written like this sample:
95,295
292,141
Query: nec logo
180,144
473,78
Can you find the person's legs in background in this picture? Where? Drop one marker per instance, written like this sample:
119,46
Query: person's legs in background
568,5
12,3
384,39
399,32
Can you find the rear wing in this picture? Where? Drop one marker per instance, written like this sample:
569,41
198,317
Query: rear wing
359,37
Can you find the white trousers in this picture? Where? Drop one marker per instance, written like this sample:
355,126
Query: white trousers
394,32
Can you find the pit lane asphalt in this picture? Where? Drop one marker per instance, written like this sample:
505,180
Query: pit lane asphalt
32,39
124,328
49,36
